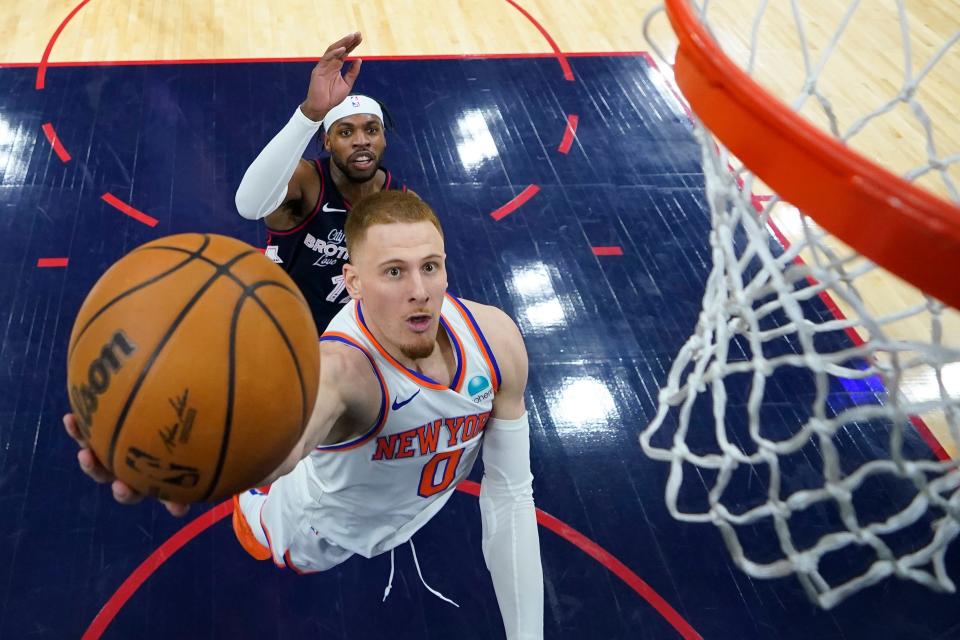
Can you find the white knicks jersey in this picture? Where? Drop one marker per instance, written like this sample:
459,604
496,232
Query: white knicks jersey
372,493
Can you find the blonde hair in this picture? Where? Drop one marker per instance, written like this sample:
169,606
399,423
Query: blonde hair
386,207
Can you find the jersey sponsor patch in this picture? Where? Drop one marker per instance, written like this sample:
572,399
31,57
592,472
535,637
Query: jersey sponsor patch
479,388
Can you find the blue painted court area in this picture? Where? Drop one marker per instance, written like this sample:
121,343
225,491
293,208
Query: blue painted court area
173,141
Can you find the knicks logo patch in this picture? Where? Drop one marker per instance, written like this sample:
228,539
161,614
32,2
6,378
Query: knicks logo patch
479,388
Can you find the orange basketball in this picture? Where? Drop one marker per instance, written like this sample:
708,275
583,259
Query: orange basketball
193,367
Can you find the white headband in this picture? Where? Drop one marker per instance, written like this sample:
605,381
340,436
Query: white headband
352,106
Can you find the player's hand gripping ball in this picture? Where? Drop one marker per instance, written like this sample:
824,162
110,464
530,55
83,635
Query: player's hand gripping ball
193,367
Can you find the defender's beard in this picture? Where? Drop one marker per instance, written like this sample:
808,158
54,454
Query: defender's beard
354,176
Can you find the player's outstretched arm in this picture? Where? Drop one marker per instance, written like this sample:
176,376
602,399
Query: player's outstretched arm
511,542
346,403
276,181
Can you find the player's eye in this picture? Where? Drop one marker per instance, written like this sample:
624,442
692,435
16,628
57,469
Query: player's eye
393,272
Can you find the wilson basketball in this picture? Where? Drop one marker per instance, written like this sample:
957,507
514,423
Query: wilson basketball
193,367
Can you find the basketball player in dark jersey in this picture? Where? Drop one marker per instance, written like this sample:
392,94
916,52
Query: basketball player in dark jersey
305,204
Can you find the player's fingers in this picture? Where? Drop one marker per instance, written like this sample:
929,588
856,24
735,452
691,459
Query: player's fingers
355,41
73,429
176,509
345,41
333,53
351,75
92,467
124,494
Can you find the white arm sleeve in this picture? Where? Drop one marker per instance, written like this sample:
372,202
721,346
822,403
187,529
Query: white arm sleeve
511,542
264,185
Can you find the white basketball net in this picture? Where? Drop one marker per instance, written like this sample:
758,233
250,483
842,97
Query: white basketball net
840,492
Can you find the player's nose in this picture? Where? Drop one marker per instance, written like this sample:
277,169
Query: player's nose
418,289
361,139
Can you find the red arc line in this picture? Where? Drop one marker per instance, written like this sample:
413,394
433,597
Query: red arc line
44,263
123,207
140,575
561,58
569,133
424,56
205,520
54,140
516,203
42,69
609,561
607,251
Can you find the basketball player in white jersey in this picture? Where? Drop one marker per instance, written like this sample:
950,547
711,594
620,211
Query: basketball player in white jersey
412,381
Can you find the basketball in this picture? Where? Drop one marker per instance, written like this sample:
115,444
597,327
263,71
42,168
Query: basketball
193,367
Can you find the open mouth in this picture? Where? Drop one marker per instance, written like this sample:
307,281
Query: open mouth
362,161
419,322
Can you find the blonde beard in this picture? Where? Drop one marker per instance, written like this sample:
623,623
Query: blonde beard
418,351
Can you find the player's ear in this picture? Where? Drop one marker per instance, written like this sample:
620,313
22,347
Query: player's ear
326,141
352,280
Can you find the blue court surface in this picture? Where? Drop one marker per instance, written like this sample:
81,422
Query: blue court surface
602,265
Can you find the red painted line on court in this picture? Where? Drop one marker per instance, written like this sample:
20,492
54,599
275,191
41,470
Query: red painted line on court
516,203
609,561
42,68
204,521
930,438
670,85
569,133
607,251
561,57
45,263
825,298
923,430
397,57
606,54
122,206
54,140
146,569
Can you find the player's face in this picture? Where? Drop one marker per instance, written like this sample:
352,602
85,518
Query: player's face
356,145
400,277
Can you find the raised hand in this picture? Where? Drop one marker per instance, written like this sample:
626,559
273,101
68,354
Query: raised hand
90,465
327,87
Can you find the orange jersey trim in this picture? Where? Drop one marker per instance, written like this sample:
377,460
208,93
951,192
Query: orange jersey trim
423,381
461,353
481,341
